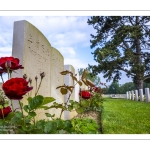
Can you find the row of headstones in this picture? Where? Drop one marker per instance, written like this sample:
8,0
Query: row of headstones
133,95
36,56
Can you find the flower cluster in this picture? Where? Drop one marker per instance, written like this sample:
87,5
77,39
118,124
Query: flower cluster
13,88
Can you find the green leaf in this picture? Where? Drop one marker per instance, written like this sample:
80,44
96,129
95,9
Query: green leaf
85,103
80,83
76,105
5,105
70,107
50,127
10,116
71,101
47,100
33,114
49,115
26,108
35,102
29,98
63,91
80,110
1,106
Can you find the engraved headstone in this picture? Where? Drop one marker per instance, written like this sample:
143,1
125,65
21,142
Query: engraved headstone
36,56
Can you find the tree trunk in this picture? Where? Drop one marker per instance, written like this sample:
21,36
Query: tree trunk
139,84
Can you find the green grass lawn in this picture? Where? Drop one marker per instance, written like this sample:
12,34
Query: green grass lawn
121,116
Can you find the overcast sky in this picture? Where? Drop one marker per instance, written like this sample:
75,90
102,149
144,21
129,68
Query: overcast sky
70,35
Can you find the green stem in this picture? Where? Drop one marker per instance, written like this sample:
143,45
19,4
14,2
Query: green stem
12,105
3,114
38,87
22,112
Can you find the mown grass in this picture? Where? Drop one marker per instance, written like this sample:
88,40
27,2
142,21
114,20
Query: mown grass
121,116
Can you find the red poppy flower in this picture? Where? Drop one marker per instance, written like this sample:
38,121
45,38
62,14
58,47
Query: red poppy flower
6,111
15,88
11,62
85,94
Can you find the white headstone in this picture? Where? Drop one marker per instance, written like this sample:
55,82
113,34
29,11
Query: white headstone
132,95
127,95
68,81
147,95
36,56
136,95
141,95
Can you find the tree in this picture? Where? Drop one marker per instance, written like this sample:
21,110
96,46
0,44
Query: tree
114,88
94,78
119,43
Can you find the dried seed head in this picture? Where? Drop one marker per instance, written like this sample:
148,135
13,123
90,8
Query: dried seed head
42,75
25,76
30,80
36,78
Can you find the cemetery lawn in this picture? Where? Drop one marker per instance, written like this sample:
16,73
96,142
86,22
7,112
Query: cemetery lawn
121,116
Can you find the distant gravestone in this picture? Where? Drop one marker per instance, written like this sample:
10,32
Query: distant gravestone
36,56
147,95
141,95
132,95
127,95
68,81
136,95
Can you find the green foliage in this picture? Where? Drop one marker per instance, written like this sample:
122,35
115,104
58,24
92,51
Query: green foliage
85,126
115,88
119,43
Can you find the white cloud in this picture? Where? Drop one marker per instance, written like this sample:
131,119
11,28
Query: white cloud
5,51
76,63
67,51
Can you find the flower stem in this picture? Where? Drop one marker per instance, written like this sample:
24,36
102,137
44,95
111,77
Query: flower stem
22,112
12,105
3,114
38,87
